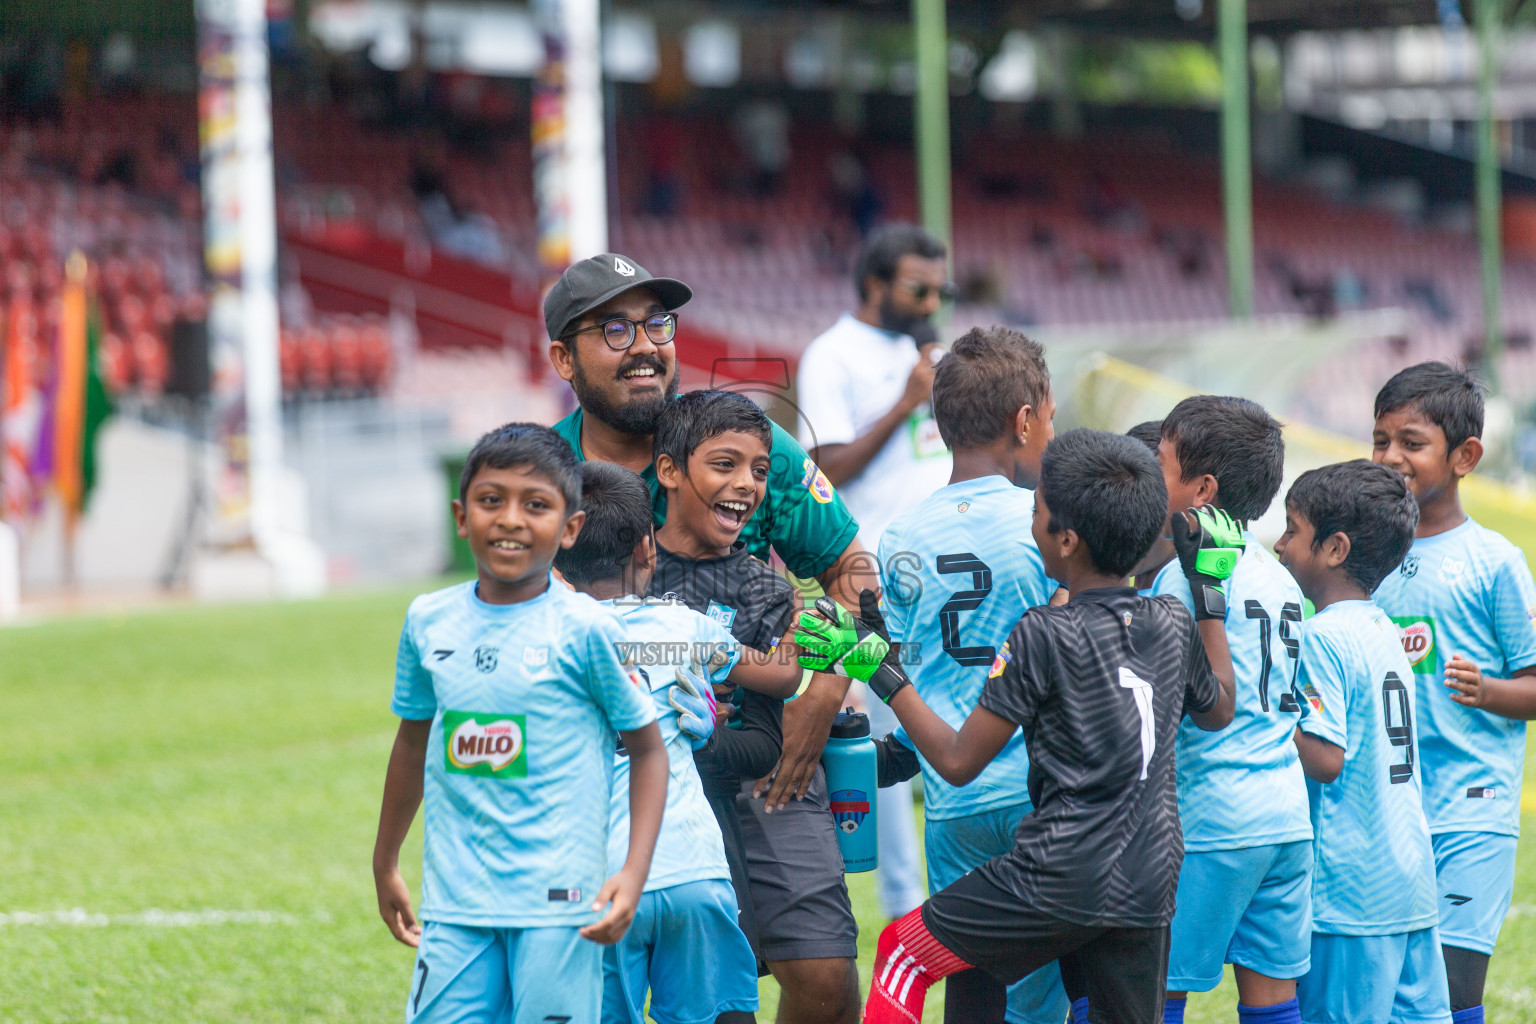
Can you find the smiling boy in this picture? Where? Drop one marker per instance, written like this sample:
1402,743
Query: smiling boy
1465,601
512,696
713,462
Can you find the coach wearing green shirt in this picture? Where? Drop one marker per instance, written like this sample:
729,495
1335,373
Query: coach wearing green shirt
611,326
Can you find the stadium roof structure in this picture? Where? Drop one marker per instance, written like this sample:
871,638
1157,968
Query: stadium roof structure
174,18
1134,17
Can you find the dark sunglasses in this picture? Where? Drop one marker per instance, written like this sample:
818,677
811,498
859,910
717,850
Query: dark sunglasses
619,332
947,292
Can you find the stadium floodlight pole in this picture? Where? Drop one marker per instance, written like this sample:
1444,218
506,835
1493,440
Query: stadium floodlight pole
930,40
1236,154
1490,245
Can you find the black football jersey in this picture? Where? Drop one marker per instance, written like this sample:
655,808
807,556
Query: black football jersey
1099,686
756,605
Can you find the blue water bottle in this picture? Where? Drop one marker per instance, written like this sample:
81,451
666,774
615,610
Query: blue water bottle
852,776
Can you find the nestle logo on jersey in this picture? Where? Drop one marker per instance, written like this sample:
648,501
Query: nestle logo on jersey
1418,635
488,745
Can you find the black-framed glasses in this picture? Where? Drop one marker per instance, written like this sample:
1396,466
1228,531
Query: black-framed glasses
619,332
920,290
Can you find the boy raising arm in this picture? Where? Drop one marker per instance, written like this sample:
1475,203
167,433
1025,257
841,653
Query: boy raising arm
1464,599
969,545
1099,685
512,696
1244,888
1375,956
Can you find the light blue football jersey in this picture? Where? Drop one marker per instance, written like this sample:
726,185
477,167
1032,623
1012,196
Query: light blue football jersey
689,847
1466,591
526,701
1375,869
1243,786
957,571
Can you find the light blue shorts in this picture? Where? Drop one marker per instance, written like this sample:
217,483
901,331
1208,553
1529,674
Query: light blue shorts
1251,907
686,949
1375,979
1475,875
955,846
504,976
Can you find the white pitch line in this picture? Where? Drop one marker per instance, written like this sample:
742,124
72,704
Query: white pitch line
152,918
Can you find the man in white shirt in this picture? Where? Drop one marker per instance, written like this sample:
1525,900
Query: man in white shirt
863,389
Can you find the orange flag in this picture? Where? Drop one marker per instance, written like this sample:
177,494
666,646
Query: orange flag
69,403
20,412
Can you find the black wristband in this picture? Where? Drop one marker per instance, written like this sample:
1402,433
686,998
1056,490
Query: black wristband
1210,599
888,680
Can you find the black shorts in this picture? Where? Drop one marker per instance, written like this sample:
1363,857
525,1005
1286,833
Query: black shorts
1122,971
799,893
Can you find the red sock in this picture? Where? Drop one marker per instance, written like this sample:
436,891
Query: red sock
907,960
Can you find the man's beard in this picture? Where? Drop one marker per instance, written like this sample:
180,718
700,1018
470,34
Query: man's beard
919,328
638,416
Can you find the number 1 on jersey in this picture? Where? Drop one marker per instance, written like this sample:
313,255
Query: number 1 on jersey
1141,692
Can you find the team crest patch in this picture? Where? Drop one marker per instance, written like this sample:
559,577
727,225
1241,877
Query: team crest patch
963,507
488,745
535,657
1004,656
1418,634
1410,567
817,483
485,657
849,809
1451,569
723,614
1314,701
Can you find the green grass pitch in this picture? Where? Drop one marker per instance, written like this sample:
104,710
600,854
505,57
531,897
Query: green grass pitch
223,767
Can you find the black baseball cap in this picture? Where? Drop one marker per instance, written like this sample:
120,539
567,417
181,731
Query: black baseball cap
586,285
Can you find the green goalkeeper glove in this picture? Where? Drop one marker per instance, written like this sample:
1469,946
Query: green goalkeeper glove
833,639
1208,554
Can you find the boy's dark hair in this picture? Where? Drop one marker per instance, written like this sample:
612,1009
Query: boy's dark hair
700,415
886,246
1235,441
979,386
1149,433
526,444
1449,398
1108,489
1368,503
618,508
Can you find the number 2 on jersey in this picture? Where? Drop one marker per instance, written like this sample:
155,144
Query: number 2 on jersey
964,601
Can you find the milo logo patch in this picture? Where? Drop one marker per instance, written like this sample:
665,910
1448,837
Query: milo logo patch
488,745
1418,642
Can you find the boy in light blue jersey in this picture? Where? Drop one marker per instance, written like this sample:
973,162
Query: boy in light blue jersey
1465,601
1245,885
1375,952
512,696
685,949
957,572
